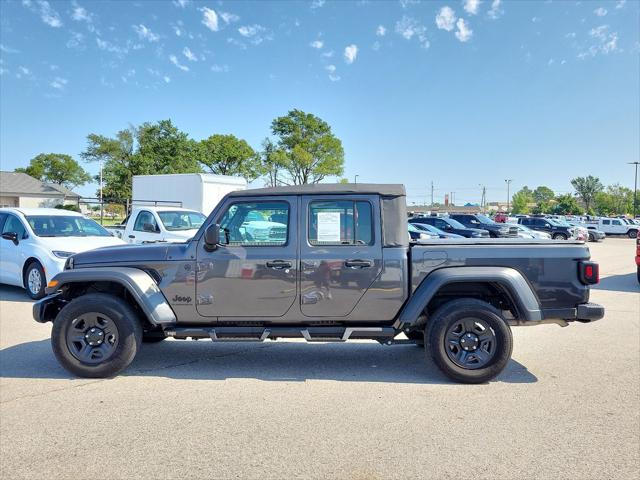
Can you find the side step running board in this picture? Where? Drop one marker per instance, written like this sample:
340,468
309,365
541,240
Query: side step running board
259,334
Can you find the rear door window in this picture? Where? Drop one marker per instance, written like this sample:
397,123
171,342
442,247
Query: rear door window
340,222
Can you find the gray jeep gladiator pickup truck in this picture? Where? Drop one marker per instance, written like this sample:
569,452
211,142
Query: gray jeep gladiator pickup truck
323,263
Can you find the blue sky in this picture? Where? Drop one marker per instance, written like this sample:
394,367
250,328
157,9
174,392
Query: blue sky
460,93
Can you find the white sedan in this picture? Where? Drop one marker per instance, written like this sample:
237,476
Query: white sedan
36,242
526,232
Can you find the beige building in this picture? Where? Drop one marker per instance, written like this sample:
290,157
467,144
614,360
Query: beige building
20,190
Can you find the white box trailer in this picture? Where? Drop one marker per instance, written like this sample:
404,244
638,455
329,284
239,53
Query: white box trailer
195,191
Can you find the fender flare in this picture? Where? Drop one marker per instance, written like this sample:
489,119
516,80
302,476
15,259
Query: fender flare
512,280
138,283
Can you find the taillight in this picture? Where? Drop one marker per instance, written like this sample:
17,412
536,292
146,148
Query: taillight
589,272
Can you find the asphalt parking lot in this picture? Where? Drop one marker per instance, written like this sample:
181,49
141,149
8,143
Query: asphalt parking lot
567,405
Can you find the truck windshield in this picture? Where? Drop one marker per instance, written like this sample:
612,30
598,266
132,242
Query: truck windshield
178,220
65,226
483,219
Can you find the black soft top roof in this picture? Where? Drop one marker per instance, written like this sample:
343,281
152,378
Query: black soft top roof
384,189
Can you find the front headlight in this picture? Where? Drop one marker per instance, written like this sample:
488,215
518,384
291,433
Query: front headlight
61,254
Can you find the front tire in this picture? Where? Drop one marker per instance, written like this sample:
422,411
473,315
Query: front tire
632,234
469,340
559,236
35,280
96,336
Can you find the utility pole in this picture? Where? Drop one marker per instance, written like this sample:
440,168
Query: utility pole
483,198
101,200
432,193
635,189
355,179
508,181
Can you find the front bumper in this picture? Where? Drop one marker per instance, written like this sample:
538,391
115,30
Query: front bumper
46,309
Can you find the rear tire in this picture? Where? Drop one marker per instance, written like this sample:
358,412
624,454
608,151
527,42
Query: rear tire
96,336
469,340
34,280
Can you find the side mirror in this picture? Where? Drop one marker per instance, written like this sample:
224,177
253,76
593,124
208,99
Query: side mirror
212,236
149,227
13,236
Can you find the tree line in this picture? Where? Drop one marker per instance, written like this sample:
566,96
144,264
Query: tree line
302,149
591,198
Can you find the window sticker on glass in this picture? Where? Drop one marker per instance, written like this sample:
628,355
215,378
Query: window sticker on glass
329,227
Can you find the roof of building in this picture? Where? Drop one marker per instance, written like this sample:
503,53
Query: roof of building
18,183
391,190
47,212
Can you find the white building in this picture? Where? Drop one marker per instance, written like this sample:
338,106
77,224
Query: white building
20,190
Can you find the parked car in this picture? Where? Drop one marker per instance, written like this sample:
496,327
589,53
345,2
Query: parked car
550,226
448,225
418,234
159,224
36,242
526,232
616,226
461,299
580,232
435,231
592,232
483,222
500,218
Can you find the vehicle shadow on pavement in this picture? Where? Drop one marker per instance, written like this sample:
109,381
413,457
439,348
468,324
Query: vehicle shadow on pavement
619,283
13,294
278,361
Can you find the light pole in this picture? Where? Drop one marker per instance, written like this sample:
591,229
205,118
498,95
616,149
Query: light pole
355,179
635,188
508,181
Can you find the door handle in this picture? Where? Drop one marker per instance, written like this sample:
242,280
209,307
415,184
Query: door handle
132,236
279,264
357,263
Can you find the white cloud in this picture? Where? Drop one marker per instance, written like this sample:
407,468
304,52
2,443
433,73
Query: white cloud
166,79
23,71
332,73
381,31
446,19
47,14
80,14
570,35
350,53
219,68
58,83
110,47
607,42
317,4
600,12
409,27
496,10
76,41
5,49
181,3
472,6
177,30
229,17
145,33
210,18
173,59
192,57
317,44
408,3
255,33
620,4
463,33
599,32
536,19
376,46
328,54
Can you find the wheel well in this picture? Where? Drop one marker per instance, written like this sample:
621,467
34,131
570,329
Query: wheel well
74,290
493,293
28,262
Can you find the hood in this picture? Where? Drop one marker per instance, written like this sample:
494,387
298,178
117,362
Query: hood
79,244
149,252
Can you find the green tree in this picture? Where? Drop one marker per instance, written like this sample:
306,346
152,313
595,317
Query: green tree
311,150
229,155
56,168
587,188
521,200
151,149
567,205
274,161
